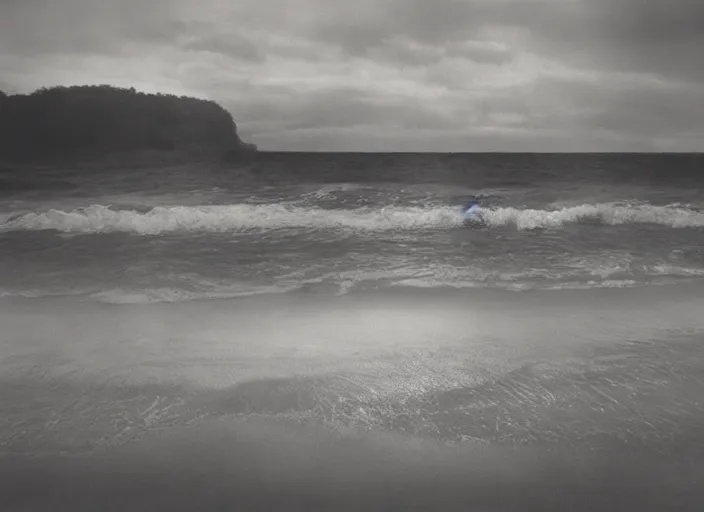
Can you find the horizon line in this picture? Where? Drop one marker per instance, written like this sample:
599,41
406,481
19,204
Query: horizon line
508,152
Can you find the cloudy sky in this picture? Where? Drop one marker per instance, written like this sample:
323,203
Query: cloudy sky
393,75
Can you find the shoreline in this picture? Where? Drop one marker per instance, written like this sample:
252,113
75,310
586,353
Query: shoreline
403,295
306,403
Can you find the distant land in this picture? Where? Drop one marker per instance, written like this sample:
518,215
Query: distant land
113,125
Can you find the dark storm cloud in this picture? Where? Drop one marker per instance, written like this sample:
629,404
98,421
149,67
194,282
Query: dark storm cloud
407,52
350,108
647,111
482,53
642,36
424,22
302,72
339,109
648,36
439,23
39,27
231,45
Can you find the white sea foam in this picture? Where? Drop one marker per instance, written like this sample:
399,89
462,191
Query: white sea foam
331,189
237,217
584,275
253,217
521,286
606,213
172,294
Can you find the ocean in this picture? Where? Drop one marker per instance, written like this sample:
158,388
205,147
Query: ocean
312,331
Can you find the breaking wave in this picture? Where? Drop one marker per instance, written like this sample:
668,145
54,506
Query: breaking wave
173,294
575,273
237,217
674,216
250,217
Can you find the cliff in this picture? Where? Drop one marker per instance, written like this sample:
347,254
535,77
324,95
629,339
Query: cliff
105,122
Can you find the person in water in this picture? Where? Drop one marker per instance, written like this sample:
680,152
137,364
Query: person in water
471,204
472,211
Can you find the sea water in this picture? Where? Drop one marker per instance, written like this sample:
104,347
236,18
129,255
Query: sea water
322,331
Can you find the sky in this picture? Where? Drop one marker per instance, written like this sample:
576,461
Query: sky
389,75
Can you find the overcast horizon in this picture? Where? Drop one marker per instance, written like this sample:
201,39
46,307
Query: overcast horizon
395,75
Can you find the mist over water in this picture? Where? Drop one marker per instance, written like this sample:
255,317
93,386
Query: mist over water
323,332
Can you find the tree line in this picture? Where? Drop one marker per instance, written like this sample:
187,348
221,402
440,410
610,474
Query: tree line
61,122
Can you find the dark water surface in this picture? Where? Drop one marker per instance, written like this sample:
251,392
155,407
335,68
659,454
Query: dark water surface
322,332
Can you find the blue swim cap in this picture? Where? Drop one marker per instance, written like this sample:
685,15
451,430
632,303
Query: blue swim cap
470,204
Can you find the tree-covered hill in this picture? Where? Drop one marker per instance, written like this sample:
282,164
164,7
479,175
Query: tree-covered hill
104,121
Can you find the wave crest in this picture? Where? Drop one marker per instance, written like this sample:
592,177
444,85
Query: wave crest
237,217
249,217
606,213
